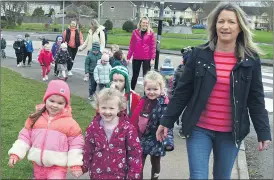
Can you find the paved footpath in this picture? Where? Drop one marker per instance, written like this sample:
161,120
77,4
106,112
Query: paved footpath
173,166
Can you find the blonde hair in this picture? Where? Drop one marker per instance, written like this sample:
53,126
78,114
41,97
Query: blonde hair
148,27
109,93
155,77
94,25
244,42
114,46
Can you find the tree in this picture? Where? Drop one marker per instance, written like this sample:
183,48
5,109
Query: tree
91,4
12,11
108,24
269,6
51,12
38,12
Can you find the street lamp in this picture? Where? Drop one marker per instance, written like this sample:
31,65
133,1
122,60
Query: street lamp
160,27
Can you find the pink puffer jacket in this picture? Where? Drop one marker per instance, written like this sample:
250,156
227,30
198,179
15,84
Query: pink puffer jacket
142,48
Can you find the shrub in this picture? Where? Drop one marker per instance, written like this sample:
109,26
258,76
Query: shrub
128,26
108,24
19,21
4,24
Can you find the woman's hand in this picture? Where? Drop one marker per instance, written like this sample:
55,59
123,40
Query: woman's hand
263,145
161,133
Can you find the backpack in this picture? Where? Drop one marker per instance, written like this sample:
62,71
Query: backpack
105,32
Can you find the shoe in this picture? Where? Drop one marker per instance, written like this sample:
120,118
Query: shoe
18,65
91,98
29,65
44,79
181,134
70,73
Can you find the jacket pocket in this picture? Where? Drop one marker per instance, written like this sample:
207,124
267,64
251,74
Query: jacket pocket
245,78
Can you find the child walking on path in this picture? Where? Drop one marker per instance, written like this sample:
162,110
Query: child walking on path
52,138
29,50
3,46
45,59
102,71
146,118
119,59
55,48
112,148
20,49
61,59
90,64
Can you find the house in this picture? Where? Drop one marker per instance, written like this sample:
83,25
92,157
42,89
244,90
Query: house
257,16
46,6
118,12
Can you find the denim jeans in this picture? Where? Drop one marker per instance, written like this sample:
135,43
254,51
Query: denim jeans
92,85
199,146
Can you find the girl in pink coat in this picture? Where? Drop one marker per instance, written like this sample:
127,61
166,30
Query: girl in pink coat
45,59
142,49
52,138
112,147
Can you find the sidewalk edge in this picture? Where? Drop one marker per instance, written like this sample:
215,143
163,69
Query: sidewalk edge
242,164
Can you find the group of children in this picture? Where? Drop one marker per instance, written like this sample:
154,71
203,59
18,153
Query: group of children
119,138
99,64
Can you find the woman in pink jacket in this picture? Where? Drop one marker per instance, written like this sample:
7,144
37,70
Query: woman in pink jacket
142,48
52,138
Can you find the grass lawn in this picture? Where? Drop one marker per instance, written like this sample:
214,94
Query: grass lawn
19,97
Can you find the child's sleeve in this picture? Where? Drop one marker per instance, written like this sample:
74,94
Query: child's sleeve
15,45
134,154
23,143
153,47
88,149
96,74
87,64
76,144
40,58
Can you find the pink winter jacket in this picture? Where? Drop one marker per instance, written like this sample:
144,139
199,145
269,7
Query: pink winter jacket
142,48
57,142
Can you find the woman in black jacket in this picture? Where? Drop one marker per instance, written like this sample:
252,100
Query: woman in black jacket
220,88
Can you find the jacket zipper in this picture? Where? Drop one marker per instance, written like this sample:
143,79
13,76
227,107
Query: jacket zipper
44,142
235,113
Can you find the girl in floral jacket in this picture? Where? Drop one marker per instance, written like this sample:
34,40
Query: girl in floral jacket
52,138
112,148
146,119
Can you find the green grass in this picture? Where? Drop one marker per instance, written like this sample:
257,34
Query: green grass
268,50
19,97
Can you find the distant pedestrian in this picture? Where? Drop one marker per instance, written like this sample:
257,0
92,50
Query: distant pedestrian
119,59
90,64
102,71
62,58
3,46
142,49
55,48
95,34
45,59
74,38
29,50
20,49
220,89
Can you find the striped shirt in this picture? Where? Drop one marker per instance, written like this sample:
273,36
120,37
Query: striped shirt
217,115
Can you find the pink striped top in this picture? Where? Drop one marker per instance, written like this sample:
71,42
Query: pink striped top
217,114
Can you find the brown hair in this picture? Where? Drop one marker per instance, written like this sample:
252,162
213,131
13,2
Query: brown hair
35,116
118,55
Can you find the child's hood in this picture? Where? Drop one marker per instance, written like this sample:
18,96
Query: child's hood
58,37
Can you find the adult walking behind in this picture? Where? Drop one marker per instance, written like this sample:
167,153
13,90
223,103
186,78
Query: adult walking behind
221,87
95,34
74,38
142,48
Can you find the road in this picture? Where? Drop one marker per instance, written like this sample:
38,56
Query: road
259,163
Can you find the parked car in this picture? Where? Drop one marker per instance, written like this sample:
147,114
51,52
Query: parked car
165,23
154,24
198,26
261,28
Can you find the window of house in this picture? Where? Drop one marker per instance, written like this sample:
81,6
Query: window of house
156,12
167,12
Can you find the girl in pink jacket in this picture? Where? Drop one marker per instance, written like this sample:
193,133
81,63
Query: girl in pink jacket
45,59
112,147
142,48
52,138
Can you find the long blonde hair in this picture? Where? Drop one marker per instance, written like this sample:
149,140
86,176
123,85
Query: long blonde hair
94,25
244,42
148,27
